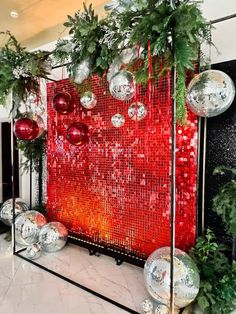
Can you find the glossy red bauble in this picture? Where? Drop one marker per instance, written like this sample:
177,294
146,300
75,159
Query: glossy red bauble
26,129
77,133
62,103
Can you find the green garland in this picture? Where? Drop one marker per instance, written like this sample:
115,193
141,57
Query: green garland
175,30
20,70
34,151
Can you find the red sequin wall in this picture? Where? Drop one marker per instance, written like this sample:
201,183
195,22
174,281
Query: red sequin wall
115,190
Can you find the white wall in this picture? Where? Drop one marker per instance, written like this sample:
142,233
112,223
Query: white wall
224,35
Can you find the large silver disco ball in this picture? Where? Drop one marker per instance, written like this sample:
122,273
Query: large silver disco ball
88,100
27,227
157,277
53,237
122,85
6,210
210,93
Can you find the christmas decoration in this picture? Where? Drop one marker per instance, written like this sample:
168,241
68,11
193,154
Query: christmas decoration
137,111
77,133
6,210
26,129
210,93
88,100
27,227
33,251
147,306
118,120
122,85
53,237
157,277
63,103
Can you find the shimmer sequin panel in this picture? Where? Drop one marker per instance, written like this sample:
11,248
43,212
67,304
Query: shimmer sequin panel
115,189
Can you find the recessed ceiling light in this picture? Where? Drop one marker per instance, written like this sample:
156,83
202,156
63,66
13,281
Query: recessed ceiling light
14,14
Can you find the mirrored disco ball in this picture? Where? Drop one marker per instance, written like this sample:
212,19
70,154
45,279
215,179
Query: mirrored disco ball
88,100
118,120
161,309
33,251
122,85
27,227
210,93
137,111
147,306
157,277
6,210
53,237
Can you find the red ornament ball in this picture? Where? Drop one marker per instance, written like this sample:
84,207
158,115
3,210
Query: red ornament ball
77,134
62,103
26,129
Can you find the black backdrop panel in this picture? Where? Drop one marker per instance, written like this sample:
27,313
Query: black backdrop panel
221,150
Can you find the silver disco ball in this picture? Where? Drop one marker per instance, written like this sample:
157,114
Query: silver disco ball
210,93
137,111
6,210
161,309
118,120
33,251
27,227
157,277
122,85
53,237
147,306
88,100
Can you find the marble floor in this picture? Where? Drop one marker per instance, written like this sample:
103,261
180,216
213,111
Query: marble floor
27,289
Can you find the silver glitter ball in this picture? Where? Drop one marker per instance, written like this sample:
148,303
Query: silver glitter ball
147,306
118,120
27,227
157,277
88,100
210,93
82,72
137,111
161,309
53,237
33,251
122,86
6,210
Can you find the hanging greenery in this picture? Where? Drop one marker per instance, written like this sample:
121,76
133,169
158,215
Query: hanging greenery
32,150
175,30
20,70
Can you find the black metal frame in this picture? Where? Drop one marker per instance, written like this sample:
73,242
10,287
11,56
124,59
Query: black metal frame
97,249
